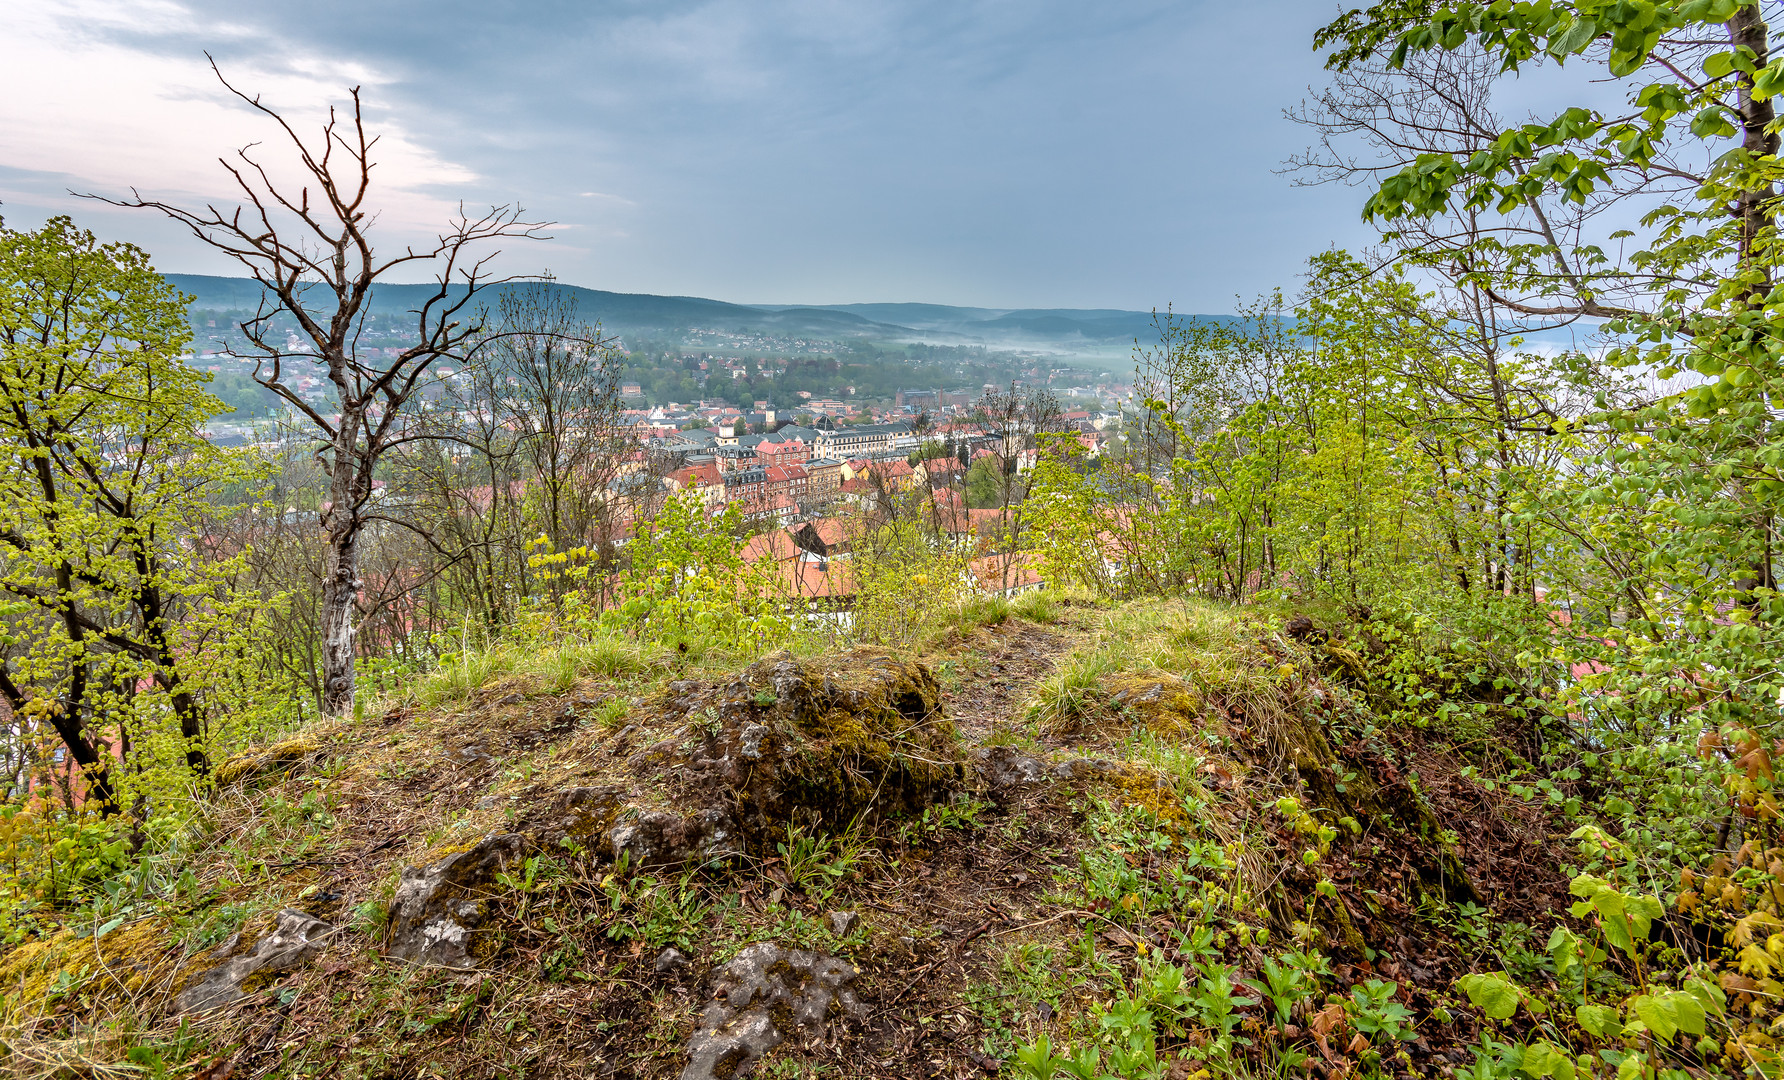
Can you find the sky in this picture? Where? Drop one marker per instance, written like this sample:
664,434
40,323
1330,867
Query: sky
998,153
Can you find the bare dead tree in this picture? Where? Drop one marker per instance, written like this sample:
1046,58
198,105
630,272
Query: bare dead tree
565,403
312,252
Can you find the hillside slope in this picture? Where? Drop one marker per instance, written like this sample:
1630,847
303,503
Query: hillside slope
603,862
644,312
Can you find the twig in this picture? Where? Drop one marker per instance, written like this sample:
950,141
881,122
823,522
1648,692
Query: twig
927,968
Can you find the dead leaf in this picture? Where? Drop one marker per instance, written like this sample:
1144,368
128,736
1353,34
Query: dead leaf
221,1069
1327,1020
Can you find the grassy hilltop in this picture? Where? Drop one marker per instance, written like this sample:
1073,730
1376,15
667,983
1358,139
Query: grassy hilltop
1174,830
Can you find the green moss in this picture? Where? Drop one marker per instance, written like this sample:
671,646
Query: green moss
123,961
1164,703
249,765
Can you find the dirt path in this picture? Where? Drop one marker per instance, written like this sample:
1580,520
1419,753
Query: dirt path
997,678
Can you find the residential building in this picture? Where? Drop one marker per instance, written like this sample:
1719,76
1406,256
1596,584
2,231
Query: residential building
778,451
824,476
851,442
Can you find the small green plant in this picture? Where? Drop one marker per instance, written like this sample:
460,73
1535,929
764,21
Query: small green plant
1039,606
1216,1001
370,918
1064,699
161,1060
984,611
815,865
562,670
1284,985
960,816
656,912
1376,1013
535,875
610,657
611,713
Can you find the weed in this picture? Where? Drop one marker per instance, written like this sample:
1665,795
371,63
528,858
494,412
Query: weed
370,918
656,912
1063,699
611,713
983,611
160,1060
793,1069
1284,984
462,674
1039,607
1375,1012
1216,1001
942,817
816,865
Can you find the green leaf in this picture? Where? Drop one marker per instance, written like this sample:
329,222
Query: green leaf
1544,1059
1599,1021
1667,1014
1495,995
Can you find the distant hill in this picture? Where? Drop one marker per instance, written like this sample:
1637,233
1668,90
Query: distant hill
644,312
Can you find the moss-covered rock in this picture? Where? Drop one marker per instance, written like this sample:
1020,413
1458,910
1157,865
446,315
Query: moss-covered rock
1163,702
279,755
296,939
126,960
438,910
816,744
731,766
1354,784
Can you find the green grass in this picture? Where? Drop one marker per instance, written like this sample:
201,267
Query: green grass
1040,607
463,675
1066,697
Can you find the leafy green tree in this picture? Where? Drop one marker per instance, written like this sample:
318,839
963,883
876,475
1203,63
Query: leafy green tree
1670,233
984,483
105,480
686,580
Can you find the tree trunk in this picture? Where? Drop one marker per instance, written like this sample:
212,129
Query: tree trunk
349,483
340,589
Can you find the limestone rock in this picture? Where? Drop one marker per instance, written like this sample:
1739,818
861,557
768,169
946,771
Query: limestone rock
785,741
1007,769
1084,768
437,910
842,923
761,997
296,940
1163,702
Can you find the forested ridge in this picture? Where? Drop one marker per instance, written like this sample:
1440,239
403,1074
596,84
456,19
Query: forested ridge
1385,694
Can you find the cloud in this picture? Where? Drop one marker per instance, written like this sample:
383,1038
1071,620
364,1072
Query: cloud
995,152
124,110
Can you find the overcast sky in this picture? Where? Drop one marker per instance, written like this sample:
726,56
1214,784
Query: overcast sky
1010,153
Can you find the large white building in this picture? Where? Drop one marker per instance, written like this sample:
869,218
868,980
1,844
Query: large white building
851,442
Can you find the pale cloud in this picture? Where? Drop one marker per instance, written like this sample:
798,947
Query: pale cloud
78,99
1002,153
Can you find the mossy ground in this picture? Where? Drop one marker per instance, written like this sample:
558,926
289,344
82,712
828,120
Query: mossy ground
985,921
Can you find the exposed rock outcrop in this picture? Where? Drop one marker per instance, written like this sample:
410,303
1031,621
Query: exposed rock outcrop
786,741
296,940
1007,770
280,755
437,911
763,996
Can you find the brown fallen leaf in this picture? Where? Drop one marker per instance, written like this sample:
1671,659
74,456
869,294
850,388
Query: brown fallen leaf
221,1069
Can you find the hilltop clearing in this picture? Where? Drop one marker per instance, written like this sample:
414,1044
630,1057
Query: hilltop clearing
1085,825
